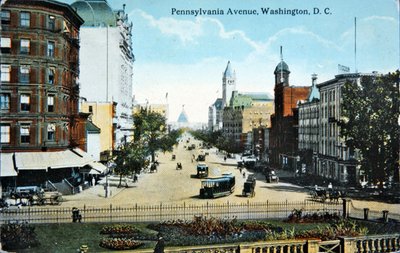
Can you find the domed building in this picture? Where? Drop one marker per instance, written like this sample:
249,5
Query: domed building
106,62
284,121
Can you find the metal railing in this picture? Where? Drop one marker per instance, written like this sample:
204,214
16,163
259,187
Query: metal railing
161,212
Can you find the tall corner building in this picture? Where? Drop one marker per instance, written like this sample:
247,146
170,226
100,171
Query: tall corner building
43,135
106,69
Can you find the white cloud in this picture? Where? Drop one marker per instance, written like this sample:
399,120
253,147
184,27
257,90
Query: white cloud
186,30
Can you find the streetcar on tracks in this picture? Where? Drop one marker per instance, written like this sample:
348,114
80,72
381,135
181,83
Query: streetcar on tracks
202,170
218,187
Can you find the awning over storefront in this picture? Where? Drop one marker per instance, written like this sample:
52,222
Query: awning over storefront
7,165
97,168
52,160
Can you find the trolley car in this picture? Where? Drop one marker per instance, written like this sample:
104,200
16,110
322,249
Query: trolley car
202,170
217,187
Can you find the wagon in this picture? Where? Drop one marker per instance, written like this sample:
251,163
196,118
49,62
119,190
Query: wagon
249,186
46,198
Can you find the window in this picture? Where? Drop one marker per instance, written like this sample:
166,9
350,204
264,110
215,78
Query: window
25,46
5,73
5,133
51,23
90,108
24,74
5,17
25,19
25,133
25,102
5,102
50,103
5,44
51,130
50,75
50,49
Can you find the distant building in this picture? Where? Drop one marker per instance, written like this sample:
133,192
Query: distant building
216,109
215,115
43,135
106,70
157,108
284,123
246,111
308,139
183,120
228,84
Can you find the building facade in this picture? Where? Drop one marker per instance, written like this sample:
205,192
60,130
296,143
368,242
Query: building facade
335,160
247,111
215,111
40,91
309,130
284,123
106,70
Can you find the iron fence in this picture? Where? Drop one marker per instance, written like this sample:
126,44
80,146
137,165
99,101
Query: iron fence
162,212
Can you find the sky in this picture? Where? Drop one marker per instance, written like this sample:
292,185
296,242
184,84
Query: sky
184,55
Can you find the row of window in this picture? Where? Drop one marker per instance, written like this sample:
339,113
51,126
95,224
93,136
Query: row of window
25,19
24,74
24,133
24,46
24,102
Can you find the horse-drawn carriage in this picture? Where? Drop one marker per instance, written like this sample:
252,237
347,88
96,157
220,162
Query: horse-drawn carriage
322,194
154,167
249,186
34,195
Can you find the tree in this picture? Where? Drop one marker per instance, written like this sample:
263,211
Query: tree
129,158
370,114
150,128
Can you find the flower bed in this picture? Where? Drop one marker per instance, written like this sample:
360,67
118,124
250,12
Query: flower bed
120,237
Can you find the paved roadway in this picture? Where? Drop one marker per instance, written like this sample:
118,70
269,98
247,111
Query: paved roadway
171,186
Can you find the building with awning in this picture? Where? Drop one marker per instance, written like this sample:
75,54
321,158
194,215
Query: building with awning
39,167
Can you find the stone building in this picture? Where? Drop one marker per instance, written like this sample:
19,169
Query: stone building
246,111
335,160
308,139
215,111
106,70
43,135
284,122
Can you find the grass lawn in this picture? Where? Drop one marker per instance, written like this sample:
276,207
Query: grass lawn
69,237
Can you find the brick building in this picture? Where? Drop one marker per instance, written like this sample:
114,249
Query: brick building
284,122
42,132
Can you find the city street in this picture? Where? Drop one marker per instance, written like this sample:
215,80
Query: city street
171,186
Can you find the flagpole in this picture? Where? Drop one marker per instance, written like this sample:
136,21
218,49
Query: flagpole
355,44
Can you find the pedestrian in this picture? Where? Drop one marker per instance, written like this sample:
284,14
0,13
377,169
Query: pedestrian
330,186
224,158
135,178
240,169
244,174
160,245
93,181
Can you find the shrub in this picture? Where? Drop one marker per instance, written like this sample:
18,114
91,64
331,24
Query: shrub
18,236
